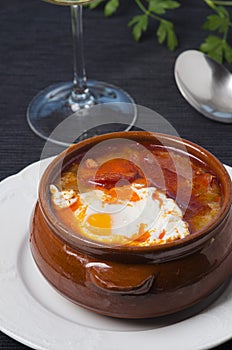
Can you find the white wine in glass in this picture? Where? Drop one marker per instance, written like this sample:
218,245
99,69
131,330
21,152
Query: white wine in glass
52,106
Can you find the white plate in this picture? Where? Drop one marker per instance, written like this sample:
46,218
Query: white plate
36,315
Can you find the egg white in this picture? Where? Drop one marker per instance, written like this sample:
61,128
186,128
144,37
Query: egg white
153,213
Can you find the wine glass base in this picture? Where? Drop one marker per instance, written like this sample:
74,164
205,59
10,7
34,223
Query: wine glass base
54,116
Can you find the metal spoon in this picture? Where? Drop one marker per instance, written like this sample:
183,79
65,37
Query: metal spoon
205,84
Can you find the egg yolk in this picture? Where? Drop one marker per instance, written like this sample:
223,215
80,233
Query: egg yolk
100,220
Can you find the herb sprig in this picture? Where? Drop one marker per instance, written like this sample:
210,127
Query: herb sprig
151,10
217,46
219,23
156,8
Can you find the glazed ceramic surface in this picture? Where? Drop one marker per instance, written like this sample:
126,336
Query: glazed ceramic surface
32,312
134,282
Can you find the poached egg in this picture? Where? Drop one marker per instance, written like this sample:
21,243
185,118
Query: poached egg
132,215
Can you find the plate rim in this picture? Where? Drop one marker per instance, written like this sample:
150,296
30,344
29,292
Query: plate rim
21,338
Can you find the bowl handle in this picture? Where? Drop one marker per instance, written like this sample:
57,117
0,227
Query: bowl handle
121,279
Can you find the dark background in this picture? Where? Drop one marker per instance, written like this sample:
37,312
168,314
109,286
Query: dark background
36,51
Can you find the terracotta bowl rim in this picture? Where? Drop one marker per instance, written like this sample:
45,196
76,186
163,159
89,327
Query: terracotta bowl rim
82,243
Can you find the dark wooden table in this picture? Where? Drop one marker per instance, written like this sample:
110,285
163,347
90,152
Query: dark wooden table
36,50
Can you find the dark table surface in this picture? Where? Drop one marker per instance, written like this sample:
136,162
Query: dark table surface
36,50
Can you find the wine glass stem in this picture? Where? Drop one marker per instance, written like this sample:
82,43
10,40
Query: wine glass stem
80,90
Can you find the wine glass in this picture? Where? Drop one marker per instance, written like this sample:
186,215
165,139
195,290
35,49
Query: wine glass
51,106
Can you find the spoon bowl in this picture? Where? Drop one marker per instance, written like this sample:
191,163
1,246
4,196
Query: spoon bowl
205,84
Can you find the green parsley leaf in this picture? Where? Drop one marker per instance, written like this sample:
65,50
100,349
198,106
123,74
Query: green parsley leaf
157,7
170,4
166,31
161,32
214,47
217,48
222,11
111,7
139,24
160,6
217,22
94,4
172,39
228,52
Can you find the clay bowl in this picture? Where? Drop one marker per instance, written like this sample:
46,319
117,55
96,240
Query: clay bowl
134,282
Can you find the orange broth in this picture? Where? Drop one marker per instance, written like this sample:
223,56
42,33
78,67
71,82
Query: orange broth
190,182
